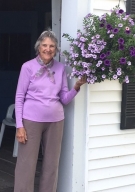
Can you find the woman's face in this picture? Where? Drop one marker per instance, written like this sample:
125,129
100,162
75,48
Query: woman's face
47,50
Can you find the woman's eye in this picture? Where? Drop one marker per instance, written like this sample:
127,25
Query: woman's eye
52,46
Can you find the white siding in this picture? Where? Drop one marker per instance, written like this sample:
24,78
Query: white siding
111,151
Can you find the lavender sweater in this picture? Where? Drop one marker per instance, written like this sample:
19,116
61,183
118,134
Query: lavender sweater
38,99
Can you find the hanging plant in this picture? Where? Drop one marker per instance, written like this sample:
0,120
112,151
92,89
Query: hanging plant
105,49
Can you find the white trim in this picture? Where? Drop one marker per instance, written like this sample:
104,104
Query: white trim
56,21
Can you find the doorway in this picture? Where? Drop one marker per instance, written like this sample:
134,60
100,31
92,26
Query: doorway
21,22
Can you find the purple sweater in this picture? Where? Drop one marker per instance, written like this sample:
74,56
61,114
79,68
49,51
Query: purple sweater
37,98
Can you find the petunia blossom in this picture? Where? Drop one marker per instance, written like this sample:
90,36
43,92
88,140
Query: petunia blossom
122,60
107,62
103,56
116,30
120,25
115,76
129,62
121,41
111,35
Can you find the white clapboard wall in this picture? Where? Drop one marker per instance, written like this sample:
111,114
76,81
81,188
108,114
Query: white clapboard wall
110,151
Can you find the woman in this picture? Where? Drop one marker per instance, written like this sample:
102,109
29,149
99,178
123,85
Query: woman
41,91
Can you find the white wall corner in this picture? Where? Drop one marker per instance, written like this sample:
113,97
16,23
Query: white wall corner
79,140
72,164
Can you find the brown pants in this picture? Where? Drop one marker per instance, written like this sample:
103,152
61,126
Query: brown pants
51,136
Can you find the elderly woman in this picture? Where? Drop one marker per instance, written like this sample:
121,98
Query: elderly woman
41,91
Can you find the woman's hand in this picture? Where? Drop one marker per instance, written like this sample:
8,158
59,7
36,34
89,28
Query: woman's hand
21,135
80,82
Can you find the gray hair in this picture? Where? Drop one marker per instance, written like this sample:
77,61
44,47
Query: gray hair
46,34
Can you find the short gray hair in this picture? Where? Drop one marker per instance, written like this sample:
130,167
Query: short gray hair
46,34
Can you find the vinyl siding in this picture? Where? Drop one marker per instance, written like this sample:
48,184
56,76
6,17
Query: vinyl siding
111,151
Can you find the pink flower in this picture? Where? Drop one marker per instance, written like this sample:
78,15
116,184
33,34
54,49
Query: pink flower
127,28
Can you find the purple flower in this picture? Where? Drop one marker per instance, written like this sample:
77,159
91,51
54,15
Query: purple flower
76,55
122,60
84,64
132,53
103,56
97,65
78,34
82,39
80,44
121,11
126,77
91,75
121,41
71,48
73,55
93,37
131,48
87,56
88,15
92,81
118,69
127,32
85,50
132,23
127,81
103,76
121,46
115,30
107,62
120,25
77,42
119,73
93,70
87,72
115,76
102,25
109,27
97,36
108,53
98,42
94,56
100,62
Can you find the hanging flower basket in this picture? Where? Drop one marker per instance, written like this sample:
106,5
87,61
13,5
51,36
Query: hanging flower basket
105,49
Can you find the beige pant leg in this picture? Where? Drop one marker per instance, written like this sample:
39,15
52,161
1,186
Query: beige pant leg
27,157
51,140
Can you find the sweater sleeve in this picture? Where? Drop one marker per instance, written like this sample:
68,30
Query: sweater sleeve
23,83
65,95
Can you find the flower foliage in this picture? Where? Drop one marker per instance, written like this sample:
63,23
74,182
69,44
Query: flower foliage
105,49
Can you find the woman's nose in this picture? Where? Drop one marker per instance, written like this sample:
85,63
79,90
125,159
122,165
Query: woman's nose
48,48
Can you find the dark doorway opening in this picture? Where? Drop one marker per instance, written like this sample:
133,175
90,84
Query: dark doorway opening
21,22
